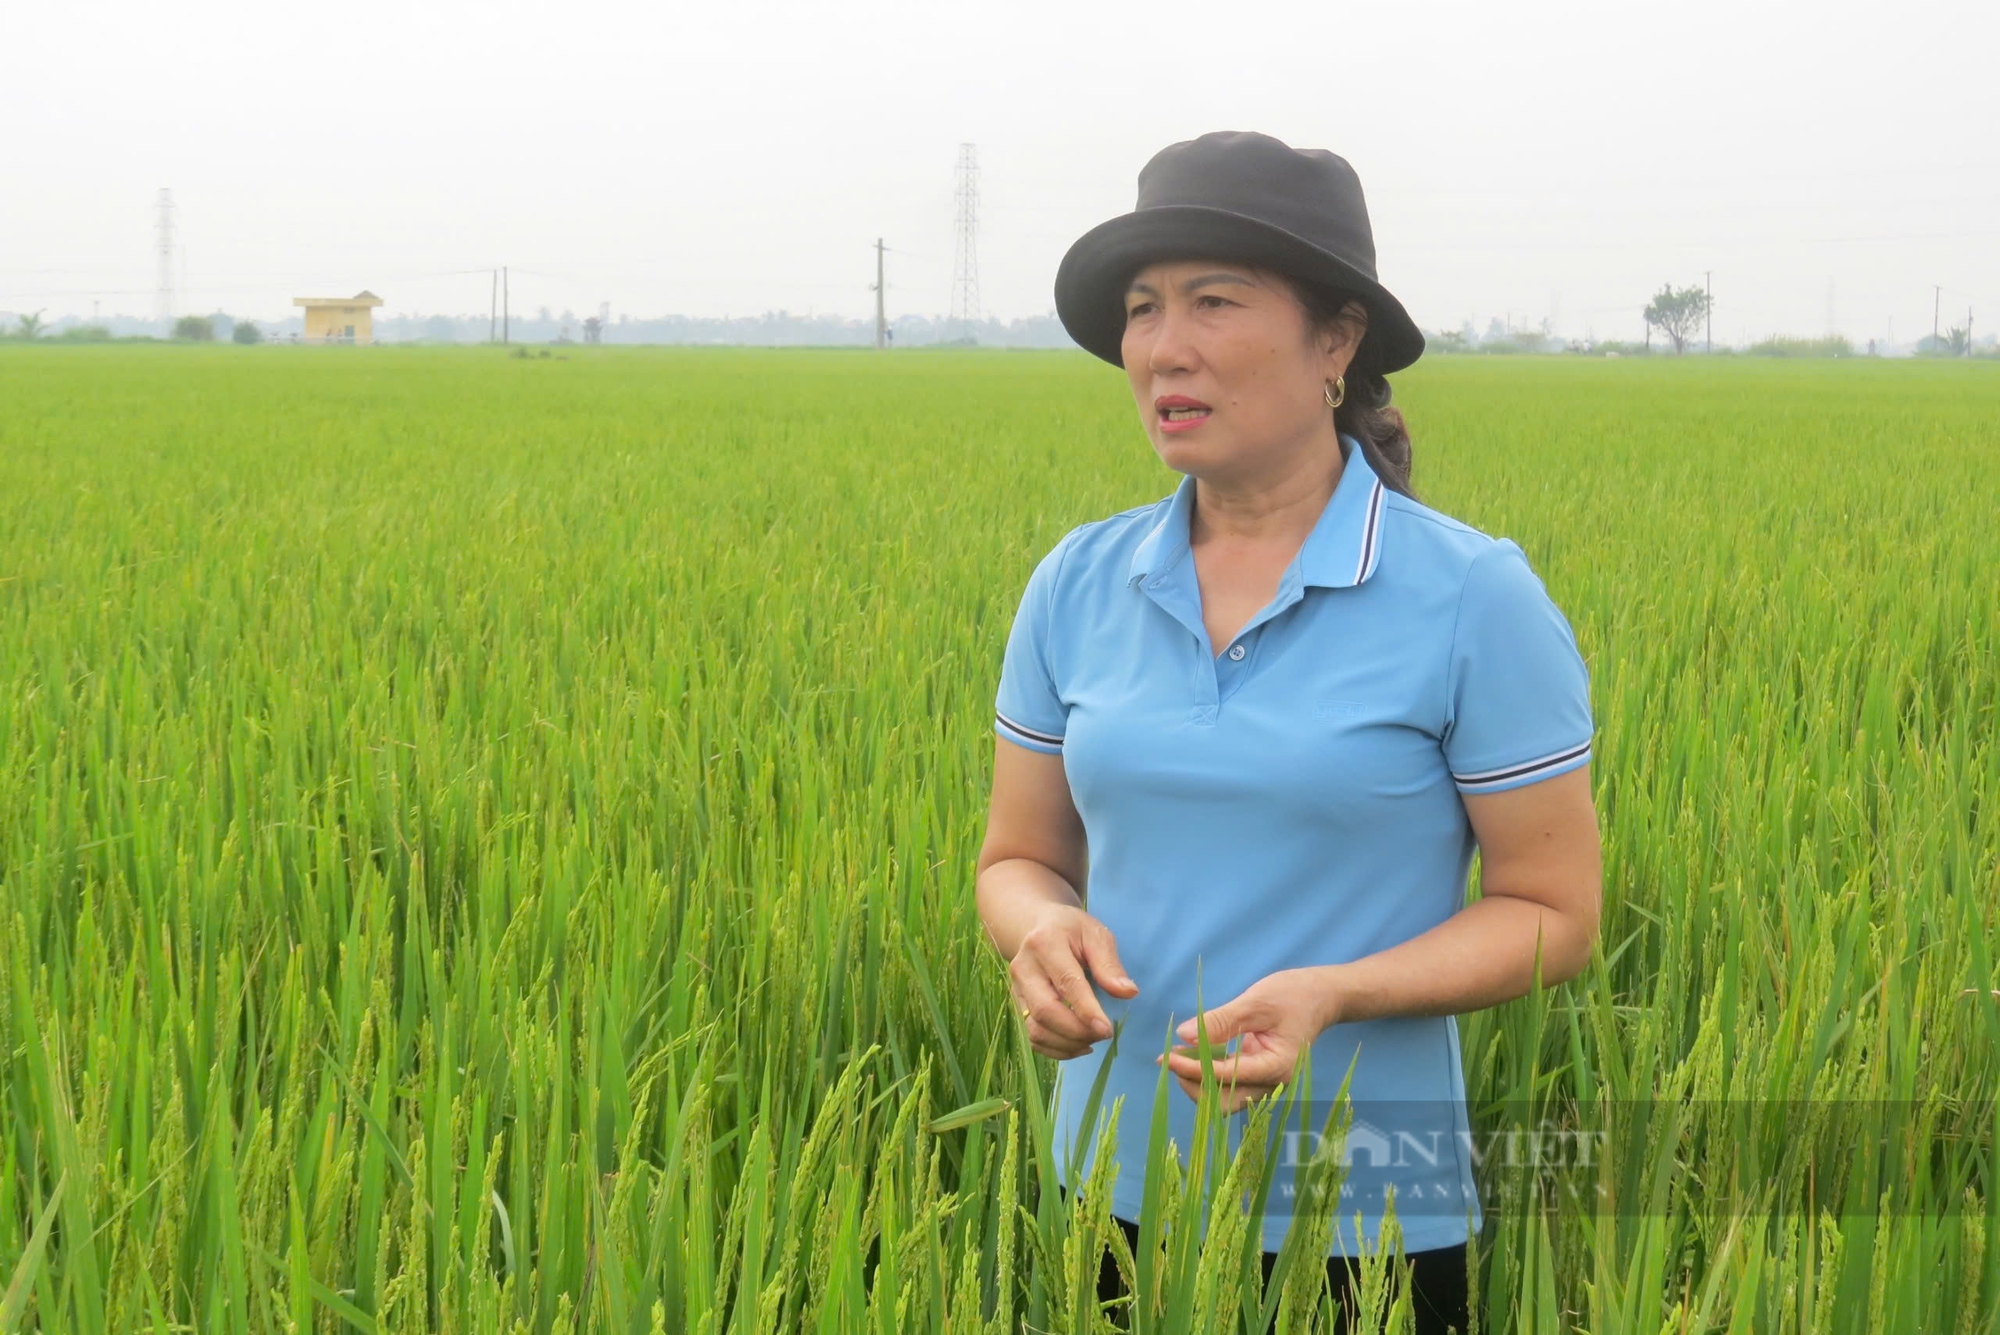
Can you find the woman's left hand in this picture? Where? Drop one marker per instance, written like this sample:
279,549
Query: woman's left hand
1277,1019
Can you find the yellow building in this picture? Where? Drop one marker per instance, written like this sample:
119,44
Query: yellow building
340,319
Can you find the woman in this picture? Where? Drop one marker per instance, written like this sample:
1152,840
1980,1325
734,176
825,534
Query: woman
1278,710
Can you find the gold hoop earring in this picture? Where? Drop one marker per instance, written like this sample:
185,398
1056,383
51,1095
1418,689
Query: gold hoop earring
1336,393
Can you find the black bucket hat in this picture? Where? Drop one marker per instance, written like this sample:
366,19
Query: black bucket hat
1245,198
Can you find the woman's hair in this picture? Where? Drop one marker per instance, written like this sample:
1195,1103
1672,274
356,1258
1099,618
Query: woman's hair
1365,413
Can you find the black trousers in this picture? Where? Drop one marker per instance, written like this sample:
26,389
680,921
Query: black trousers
1438,1289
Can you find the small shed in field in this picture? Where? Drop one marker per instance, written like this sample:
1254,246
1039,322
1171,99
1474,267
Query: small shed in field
340,319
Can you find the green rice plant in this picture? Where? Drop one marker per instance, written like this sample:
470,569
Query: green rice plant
486,845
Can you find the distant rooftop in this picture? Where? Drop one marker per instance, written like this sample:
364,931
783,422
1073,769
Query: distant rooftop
362,298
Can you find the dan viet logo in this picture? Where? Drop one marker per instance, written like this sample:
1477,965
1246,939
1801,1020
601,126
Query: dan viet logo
1366,1145
1418,1153
1426,1169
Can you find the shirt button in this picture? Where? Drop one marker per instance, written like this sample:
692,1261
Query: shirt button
1236,653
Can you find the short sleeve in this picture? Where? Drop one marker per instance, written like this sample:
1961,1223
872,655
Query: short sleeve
1029,708
1518,701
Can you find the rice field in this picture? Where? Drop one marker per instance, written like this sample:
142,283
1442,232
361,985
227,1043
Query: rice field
486,845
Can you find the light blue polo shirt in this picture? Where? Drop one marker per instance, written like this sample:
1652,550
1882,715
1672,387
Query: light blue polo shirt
1293,800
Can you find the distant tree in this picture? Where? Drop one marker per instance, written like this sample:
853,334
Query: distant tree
30,326
246,333
194,329
85,333
1677,313
1833,345
1533,340
1954,342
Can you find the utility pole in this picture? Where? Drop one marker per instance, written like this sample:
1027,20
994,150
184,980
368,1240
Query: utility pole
504,308
493,310
1937,295
881,321
1968,331
1708,313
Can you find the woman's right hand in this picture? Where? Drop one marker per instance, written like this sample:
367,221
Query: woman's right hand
1051,975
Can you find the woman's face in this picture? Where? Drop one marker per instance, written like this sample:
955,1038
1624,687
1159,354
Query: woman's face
1227,380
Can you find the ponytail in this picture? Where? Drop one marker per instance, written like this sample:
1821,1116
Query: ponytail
1365,412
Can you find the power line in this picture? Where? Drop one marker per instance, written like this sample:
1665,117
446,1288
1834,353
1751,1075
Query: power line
1599,183
1566,244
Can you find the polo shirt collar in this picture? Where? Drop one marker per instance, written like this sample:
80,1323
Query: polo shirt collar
1343,549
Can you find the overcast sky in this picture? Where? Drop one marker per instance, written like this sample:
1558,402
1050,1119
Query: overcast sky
1536,159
